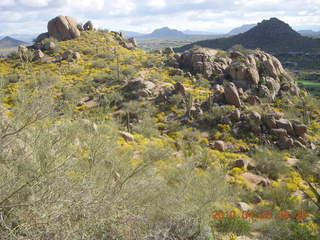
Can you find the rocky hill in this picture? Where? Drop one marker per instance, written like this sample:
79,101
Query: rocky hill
273,36
102,140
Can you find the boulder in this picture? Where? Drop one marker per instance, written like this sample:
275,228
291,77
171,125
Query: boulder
127,136
253,100
168,50
76,55
68,54
244,163
273,86
63,28
298,144
242,71
218,145
285,124
279,133
300,129
244,206
218,88
201,61
179,88
270,121
49,46
256,179
255,117
231,95
235,115
41,37
133,41
236,55
285,143
38,55
88,26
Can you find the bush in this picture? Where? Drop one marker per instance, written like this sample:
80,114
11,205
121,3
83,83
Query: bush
279,230
106,56
270,162
280,196
99,64
238,226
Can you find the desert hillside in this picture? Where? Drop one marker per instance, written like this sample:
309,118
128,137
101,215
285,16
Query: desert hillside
102,140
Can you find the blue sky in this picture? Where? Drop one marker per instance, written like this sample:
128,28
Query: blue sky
219,16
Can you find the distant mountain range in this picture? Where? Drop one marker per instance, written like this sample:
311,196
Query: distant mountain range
309,33
132,34
192,32
272,35
167,32
242,29
9,42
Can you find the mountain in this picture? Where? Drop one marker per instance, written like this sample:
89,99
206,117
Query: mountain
132,34
24,37
165,32
309,33
242,29
272,35
9,42
192,32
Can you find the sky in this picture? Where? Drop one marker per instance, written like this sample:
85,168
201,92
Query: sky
217,16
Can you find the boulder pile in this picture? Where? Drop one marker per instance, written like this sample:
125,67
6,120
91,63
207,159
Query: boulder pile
256,72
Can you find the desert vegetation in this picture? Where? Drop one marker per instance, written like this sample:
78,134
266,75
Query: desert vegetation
114,145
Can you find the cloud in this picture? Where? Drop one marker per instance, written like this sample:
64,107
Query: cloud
145,15
34,3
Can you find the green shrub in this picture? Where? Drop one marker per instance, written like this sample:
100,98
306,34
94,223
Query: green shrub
106,56
99,64
238,226
280,196
279,230
270,162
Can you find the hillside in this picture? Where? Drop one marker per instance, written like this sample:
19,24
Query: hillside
102,140
272,35
9,42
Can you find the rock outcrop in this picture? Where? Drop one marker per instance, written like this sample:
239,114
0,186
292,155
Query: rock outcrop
203,61
256,71
63,28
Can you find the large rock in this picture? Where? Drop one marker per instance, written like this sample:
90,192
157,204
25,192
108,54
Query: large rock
231,95
63,28
38,55
285,143
203,61
285,124
270,121
168,50
245,72
279,133
41,37
300,129
218,145
256,179
88,26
